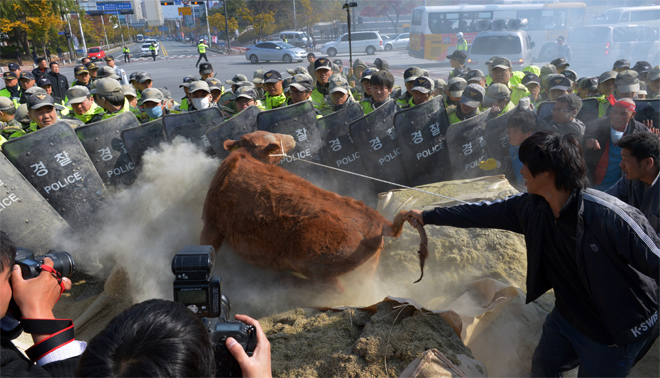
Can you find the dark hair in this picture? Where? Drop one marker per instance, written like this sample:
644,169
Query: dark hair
559,154
382,78
39,60
573,101
312,55
155,338
10,110
525,121
7,251
114,100
642,145
53,62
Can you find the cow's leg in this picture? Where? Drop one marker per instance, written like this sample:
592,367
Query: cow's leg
211,236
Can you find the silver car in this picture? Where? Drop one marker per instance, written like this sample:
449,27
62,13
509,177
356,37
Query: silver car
274,50
398,43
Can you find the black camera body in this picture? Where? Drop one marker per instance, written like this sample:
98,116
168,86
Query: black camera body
31,268
201,293
31,265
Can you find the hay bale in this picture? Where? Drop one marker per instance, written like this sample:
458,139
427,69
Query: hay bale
378,341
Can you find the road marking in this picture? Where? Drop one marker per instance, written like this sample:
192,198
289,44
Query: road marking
164,51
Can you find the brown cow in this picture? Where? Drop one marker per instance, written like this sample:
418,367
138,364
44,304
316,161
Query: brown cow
276,220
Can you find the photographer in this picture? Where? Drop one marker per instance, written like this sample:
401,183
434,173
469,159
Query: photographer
160,338
53,354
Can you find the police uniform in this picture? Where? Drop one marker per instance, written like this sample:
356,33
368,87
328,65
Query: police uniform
152,48
15,93
321,91
127,54
472,96
201,48
78,94
274,102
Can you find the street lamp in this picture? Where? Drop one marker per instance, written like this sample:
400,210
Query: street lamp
348,7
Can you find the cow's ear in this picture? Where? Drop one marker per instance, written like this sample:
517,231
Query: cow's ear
230,145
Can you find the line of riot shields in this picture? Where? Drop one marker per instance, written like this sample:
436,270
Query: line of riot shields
56,179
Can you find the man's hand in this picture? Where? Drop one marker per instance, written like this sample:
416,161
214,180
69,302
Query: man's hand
592,144
36,297
649,125
258,365
414,217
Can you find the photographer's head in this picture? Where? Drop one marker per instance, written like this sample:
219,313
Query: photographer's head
7,255
156,338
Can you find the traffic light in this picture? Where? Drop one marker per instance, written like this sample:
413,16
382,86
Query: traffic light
196,2
167,3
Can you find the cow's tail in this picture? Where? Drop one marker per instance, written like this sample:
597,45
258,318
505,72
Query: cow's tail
394,229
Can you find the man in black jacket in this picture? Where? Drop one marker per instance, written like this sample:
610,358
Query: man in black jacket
55,352
600,150
60,82
601,257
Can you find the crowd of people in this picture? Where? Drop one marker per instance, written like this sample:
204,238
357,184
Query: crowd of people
599,253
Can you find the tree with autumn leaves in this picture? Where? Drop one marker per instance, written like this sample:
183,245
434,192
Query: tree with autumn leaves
36,20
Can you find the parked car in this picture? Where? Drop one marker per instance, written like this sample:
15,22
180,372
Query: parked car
400,42
515,45
596,47
367,41
95,53
296,38
146,51
275,50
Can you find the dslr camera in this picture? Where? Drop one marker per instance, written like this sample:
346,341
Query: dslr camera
31,268
201,293
31,265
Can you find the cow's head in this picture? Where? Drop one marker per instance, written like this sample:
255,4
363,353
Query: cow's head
262,145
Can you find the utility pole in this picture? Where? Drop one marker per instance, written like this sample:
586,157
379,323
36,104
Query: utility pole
228,47
82,35
348,7
295,21
104,33
208,27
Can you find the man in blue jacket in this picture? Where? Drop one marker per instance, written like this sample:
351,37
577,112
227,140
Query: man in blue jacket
600,256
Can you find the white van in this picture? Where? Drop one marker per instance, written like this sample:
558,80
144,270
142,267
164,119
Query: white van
515,45
296,38
596,47
649,16
367,41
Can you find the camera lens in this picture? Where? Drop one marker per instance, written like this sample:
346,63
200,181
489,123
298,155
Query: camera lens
62,262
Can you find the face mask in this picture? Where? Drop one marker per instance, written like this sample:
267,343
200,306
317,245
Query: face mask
155,112
201,103
615,135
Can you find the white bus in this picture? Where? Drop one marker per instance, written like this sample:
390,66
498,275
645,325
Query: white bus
433,28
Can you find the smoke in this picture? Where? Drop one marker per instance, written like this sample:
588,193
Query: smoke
143,226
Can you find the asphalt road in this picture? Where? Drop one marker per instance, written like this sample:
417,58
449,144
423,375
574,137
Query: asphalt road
177,60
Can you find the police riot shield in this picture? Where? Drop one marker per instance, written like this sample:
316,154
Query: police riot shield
193,126
648,110
54,161
242,123
299,121
27,217
376,141
423,146
589,111
467,146
497,143
102,141
544,110
138,139
338,148
340,152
